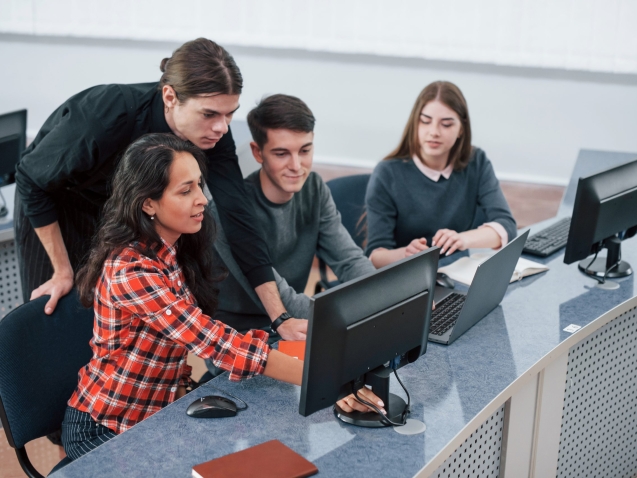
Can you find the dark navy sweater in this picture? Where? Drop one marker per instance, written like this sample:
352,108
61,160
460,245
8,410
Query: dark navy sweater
403,204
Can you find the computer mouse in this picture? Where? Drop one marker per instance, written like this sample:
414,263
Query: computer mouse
212,406
443,280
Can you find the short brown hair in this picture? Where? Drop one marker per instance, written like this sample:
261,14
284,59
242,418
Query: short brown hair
201,67
279,112
450,95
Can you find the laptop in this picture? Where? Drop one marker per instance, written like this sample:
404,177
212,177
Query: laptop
456,312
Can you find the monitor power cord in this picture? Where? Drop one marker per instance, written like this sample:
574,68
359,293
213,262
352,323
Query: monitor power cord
384,418
603,279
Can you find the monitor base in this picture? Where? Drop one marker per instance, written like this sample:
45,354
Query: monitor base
372,419
598,268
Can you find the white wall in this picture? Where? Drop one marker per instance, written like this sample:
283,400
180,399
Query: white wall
530,121
593,35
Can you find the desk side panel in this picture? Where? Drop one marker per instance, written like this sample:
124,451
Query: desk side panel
599,421
10,286
479,455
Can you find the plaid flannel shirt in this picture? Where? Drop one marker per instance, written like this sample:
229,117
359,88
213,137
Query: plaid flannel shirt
146,321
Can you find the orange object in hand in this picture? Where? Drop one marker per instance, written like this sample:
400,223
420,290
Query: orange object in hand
293,348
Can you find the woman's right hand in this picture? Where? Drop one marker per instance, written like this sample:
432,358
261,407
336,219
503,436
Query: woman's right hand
416,246
351,404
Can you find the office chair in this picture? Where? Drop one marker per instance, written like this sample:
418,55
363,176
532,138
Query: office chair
349,196
40,356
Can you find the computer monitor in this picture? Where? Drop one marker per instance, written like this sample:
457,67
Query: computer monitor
604,214
13,140
361,331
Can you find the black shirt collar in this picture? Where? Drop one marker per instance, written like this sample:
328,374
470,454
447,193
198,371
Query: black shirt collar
157,115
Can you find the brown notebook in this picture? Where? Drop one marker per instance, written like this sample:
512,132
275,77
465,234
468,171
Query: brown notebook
271,459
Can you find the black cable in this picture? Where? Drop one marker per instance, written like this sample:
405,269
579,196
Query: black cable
592,273
408,407
590,264
619,261
610,269
384,418
603,279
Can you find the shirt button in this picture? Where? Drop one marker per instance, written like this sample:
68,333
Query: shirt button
179,283
168,312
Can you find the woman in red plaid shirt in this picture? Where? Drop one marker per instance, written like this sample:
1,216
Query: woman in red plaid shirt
151,279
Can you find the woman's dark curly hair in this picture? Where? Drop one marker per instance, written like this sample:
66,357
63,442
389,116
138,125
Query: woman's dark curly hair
144,172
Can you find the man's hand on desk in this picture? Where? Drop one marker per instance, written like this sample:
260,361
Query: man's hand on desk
350,404
293,329
57,287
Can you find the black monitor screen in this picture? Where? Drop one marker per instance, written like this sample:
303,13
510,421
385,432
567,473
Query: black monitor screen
13,127
605,213
10,150
359,326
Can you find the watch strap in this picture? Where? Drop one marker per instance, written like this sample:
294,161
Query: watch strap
279,320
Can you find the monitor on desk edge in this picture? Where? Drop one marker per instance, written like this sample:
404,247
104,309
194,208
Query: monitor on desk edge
361,331
13,139
604,214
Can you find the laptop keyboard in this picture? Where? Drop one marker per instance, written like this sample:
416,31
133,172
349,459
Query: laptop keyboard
446,313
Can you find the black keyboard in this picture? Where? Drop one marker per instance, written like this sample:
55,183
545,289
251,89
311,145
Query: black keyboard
549,240
446,313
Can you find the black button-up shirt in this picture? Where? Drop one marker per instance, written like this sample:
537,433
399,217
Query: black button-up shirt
73,158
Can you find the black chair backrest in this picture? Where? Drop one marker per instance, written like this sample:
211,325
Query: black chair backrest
40,356
349,195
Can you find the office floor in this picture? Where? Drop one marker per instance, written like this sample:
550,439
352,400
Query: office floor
530,203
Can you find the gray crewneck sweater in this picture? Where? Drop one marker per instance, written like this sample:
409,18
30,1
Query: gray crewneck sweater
404,204
295,231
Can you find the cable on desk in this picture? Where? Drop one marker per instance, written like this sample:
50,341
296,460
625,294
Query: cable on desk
384,418
603,279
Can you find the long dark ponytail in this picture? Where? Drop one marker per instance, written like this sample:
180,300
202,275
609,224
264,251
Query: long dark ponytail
144,172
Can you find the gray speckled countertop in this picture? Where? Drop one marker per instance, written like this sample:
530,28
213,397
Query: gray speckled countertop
449,386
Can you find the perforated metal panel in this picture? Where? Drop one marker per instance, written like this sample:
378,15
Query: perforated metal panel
10,287
599,421
479,455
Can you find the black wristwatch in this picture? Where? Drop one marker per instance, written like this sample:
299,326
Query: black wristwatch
279,320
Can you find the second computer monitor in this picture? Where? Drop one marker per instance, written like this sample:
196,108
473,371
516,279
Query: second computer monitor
604,214
13,127
357,328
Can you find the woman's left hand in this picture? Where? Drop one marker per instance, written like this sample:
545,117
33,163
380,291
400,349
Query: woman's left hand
449,241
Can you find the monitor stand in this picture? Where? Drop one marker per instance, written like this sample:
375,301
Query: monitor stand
395,406
609,263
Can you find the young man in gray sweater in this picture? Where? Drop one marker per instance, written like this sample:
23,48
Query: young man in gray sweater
296,213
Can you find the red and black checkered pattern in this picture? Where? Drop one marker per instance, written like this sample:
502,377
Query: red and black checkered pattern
146,321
